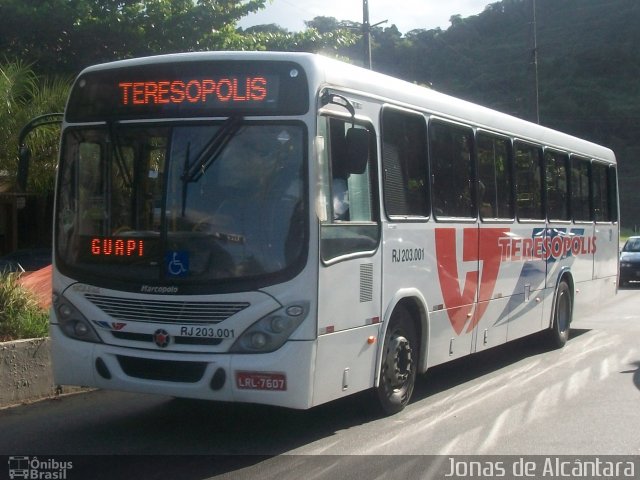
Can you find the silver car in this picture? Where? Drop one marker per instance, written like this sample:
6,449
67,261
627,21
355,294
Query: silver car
630,261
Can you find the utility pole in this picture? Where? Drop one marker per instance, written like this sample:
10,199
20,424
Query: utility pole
366,32
535,63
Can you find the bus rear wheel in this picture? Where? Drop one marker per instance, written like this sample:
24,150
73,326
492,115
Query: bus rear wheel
399,363
562,312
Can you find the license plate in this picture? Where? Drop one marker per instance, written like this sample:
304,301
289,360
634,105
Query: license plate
207,332
261,381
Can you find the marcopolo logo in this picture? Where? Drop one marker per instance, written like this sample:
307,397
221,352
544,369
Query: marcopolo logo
38,469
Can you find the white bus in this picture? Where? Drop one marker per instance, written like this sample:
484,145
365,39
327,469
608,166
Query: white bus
286,229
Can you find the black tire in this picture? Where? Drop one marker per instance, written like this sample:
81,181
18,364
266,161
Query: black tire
562,313
399,363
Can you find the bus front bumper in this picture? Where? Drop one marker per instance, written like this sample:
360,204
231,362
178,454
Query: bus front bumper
282,378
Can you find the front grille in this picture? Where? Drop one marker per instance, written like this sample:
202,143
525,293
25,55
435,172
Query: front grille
164,370
165,311
147,337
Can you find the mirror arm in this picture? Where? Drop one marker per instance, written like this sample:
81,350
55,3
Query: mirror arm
336,99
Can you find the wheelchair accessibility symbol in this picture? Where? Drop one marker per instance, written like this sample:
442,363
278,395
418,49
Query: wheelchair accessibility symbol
177,263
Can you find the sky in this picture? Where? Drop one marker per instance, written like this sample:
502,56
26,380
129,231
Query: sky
405,14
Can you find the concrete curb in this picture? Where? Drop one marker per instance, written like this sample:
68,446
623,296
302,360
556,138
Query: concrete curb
25,372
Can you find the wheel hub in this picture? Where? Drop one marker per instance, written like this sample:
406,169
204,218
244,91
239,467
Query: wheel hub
399,361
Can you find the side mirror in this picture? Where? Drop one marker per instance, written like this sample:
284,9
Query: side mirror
357,150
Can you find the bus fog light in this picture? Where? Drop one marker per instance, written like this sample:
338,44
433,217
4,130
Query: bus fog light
280,324
65,310
258,340
80,329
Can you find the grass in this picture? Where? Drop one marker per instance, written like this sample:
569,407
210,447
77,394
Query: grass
20,314
626,233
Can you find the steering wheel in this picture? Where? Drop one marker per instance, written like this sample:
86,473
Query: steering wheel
122,229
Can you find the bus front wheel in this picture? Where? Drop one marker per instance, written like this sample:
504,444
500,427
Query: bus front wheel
399,363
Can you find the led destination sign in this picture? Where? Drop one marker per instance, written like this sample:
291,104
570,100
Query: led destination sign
189,89
116,247
233,89
117,250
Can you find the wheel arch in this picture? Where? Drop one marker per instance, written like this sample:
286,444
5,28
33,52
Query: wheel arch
567,276
414,302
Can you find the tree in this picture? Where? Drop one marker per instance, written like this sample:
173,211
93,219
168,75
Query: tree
64,36
67,35
323,24
24,96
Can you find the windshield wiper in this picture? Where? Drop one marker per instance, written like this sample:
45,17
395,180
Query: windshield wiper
209,154
212,150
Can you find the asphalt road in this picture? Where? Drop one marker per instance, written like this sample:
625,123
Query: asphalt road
519,399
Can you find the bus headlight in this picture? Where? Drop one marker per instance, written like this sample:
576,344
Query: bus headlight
72,323
270,332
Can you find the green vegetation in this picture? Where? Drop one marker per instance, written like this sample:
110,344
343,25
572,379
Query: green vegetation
47,43
20,314
588,70
65,36
587,56
23,96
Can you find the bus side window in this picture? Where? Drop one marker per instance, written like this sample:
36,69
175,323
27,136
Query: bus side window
404,164
351,226
580,189
450,153
528,182
612,183
557,185
351,183
494,177
604,193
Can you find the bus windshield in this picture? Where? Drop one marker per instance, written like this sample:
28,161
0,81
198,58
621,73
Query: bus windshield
183,203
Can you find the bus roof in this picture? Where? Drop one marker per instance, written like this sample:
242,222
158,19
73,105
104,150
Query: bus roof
326,72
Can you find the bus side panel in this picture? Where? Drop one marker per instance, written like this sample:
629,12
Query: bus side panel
606,251
452,298
525,280
445,343
583,262
492,328
347,297
345,363
573,256
605,259
492,310
348,313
